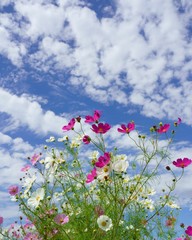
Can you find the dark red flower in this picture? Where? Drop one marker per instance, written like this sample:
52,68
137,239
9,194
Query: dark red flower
86,139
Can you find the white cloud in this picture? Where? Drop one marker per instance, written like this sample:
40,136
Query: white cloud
29,113
148,42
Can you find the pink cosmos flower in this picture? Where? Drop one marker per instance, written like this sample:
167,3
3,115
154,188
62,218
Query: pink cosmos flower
1,220
69,126
164,128
31,236
99,211
86,139
91,176
101,128
182,163
13,190
35,158
61,219
103,160
95,118
189,231
126,129
25,168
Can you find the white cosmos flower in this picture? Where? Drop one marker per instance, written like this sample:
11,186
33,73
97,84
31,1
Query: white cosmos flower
103,172
36,197
120,166
65,138
51,139
29,183
104,222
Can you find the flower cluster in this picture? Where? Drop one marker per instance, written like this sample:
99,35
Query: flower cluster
110,196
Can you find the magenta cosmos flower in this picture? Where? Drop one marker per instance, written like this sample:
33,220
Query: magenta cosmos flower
95,118
1,220
164,128
35,158
13,190
126,129
101,128
189,231
86,139
91,176
61,219
103,160
182,163
69,126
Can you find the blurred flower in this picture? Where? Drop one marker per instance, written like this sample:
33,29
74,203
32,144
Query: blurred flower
51,139
35,158
36,197
182,163
32,236
69,126
120,166
126,129
65,138
61,219
170,222
189,231
101,128
25,168
91,176
28,183
13,190
1,220
164,128
98,210
104,222
103,160
95,118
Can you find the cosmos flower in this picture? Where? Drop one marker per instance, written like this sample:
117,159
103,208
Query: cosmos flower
91,176
120,166
32,236
104,222
95,118
1,220
103,160
25,168
101,128
36,197
189,231
182,163
35,158
61,219
86,139
13,190
69,126
164,128
126,129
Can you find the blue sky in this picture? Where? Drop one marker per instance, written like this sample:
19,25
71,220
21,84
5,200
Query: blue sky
62,58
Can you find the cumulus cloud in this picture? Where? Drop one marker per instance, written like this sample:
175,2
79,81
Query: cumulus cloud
148,43
29,113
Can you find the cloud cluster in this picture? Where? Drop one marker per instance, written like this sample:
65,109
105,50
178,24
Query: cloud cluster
139,54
